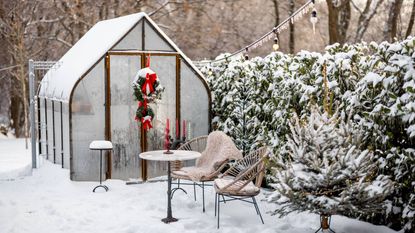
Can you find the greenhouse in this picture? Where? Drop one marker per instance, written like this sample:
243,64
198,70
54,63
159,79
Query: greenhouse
89,96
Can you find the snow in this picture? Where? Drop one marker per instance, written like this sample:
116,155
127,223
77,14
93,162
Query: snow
48,201
372,78
15,160
59,81
100,144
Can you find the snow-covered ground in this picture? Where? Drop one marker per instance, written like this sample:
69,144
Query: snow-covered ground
15,160
48,201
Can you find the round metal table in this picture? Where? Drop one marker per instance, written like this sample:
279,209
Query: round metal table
158,155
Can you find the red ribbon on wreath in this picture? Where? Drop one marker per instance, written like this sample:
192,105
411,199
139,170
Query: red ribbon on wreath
147,87
148,78
146,122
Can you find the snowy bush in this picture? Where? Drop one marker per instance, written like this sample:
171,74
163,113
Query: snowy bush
253,101
323,170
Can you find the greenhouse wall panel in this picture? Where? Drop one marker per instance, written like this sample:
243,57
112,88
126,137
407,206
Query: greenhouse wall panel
88,124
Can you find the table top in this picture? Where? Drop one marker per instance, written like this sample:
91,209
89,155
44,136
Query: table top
157,155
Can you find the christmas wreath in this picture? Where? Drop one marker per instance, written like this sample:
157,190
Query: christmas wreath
146,90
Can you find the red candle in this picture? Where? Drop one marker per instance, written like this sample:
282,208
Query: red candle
177,129
184,128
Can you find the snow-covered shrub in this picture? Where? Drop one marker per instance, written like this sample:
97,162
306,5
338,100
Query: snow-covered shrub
374,81
323,170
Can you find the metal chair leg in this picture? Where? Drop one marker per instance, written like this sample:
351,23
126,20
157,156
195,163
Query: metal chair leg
257,208
203,195
218,211
216,201
194,189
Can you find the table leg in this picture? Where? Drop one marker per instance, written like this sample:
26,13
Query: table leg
169,218
100,175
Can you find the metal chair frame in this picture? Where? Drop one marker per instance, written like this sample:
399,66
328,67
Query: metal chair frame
178,165
243,172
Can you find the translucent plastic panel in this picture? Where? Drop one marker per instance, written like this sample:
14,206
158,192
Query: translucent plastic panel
153,41
88,124
133,40
49,108
58,144
125,132
65,134
42,124
165,68
194,102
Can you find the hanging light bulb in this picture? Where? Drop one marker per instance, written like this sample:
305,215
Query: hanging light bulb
210,72
314,19
246,56
275,46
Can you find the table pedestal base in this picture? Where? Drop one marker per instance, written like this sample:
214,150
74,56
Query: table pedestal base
101,186
169,220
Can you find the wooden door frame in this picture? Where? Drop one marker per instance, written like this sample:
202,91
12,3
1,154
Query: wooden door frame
143,133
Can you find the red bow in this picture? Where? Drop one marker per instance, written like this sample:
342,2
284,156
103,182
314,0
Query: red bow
149,83
146,122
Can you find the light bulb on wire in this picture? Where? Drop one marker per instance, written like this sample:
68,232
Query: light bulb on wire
246,56
275,46
314,19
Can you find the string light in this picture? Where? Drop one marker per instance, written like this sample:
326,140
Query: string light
314,19
275,46
269,35
246,56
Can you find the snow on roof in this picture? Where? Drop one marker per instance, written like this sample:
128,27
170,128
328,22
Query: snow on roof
59,81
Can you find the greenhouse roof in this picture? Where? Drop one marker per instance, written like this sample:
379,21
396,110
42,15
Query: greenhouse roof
60,80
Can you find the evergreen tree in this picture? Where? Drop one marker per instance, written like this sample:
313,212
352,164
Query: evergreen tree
324,171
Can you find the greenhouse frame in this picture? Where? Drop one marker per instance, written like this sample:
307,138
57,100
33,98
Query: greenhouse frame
88,96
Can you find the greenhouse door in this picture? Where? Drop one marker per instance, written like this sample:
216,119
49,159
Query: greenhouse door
128,139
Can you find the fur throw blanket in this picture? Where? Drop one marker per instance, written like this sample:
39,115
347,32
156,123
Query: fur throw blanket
219,149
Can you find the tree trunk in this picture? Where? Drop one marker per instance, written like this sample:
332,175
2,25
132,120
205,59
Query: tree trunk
277,13
339,20
391,25
292,36
411,21
365,17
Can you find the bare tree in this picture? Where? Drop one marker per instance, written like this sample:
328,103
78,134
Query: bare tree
391,24
276,12
365,16
339,20
411,21
13,26
292,29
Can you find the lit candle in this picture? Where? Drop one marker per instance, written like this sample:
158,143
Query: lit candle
184,129
189,130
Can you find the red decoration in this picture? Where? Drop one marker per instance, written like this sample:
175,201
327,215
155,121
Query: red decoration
146,89
146,122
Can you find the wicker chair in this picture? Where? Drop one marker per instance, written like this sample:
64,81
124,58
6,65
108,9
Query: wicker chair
199,144
237,182
196,144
